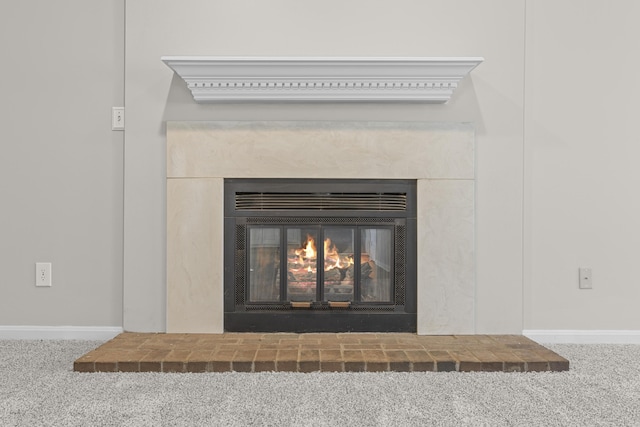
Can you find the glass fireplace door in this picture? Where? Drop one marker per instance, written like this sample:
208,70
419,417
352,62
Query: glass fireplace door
338,272
264,264
321,263
302,263
376,265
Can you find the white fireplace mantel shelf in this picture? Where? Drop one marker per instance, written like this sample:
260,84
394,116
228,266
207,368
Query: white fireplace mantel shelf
213,79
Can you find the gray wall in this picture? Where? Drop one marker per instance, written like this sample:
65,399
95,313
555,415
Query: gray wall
582,174
492,98
61,166
553,105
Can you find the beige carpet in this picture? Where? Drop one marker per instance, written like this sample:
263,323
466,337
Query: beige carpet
38,387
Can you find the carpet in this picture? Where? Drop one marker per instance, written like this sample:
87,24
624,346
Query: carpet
39,388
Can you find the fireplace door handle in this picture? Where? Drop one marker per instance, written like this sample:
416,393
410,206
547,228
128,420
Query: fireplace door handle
300,304
339,304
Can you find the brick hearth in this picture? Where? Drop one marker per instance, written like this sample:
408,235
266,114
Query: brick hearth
326,352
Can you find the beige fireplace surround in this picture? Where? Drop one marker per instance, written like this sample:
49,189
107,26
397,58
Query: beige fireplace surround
200,155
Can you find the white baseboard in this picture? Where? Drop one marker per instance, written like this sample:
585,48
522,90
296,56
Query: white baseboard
88,333
568,336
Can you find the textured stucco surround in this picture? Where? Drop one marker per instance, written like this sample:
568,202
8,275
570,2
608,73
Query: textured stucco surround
439,156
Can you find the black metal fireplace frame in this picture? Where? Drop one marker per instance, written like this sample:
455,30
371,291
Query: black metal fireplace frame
241,316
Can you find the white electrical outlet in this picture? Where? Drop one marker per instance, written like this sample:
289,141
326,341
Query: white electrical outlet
117,118
43,274
586,281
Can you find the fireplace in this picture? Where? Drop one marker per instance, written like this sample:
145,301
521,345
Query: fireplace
320,255
437,159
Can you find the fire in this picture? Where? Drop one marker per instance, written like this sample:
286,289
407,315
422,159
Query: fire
333,259
308,252
306,256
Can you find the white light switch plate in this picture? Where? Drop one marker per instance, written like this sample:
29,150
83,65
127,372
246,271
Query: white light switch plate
586,281
117,118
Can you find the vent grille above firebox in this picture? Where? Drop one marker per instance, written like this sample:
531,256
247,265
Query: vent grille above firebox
381,202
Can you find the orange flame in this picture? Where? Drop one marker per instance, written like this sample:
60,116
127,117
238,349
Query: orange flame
307,254
332,257
310,250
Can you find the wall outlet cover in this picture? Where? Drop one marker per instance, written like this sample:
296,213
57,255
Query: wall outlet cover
43,274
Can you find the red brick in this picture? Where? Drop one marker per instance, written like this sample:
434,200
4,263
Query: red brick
318,351
332,366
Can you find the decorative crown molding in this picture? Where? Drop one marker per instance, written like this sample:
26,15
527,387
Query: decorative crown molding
213,79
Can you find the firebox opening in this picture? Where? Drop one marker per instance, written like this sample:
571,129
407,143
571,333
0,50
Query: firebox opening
320,255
